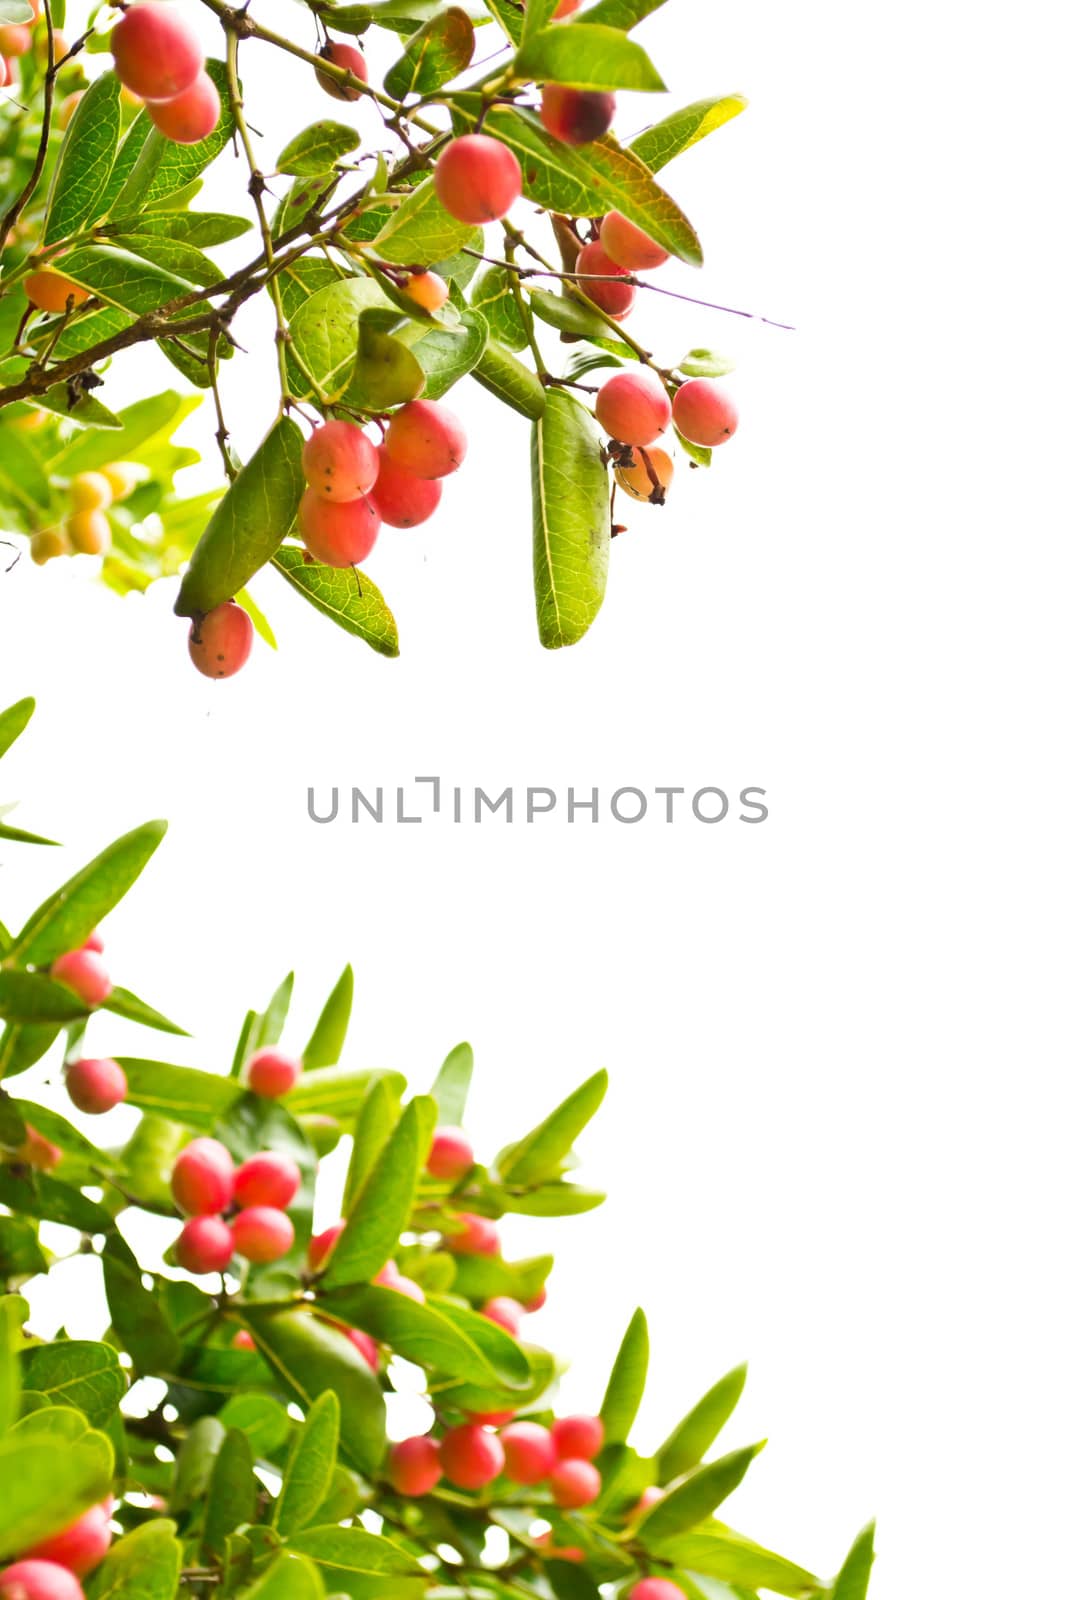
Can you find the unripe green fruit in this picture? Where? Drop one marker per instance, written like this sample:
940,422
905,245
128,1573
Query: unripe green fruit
427,289
268,1179
191,115
634,407
96,1086
505,1312
340,461
338,533
81,1547
616,299
426,439
262,1234
578,1438
39,1580
353,61
414,1466
477,179
205,1244
630,245
401,499
85,973
576,116
271,1072
574,1484
471,1456
90,491
479,1236
451,1154
221,642
50,291
704,413
529,1452
203,1178
157,54
89,533
637,481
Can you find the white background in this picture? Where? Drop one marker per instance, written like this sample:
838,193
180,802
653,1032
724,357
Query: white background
832,1140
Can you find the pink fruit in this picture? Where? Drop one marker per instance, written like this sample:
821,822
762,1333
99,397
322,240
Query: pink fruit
471,1456
401,499
477,179
554,1552
491,1419
157,54
340,461
704,413
353,61
505,1312
576,116
656,1589
339,534
630,245
191,115
96,1086
205,1244
565,9
262,1234
634,407
321,1245
38,1152
94,943
365,1345
390,1277
578,1438
272,1073
84,972
82,1546
616,299
243,1340
426,439
221,642
529,1452
203,1178
649,1497
39,1580
537,1301
451,1154
574,1484
267,1179
477,1237
414,1466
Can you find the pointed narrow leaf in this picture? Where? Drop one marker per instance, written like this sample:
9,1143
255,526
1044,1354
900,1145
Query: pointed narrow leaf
66,919
624,14
431,1336
195,1099
31,999
695,1498
452,1084
378,1116
13,722
124,1004
86,158
683,129
510,380
317,148
327,1041
542,1152
586,56
232,1493
346,596
699,1429
622,1398
571,520
310,1467
854,1578
720,1552
383,1207
12,1315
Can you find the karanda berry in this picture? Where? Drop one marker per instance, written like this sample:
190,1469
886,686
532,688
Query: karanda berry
156,52
656,1589
650,476
565,9
221,642
205,1244
353,61
428,290
90,491
529,1452
82,1546
202,1181
414,1466
478,1236
38,1152
365,1345
615,298
96,1086
401,499
272,1072
630,246
477,179
338,533
390,1277
191,115
51,291
704,413
505,1312
451,1154
576,116
578,1438
471,1456
89,533
634,407
322,1244
574,1484
85,973
340,462
426,439
262,1234
39,1580
267,1179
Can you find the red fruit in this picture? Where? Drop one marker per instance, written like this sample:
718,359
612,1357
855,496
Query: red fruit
353,60
243,1340
321,1245
574,1484
390,1277
38,1152
451,1154
578,1438
477,178
649,1497
203,1177
426,439
538,1299
529,1452
478,1237
205,1244
94,942
221,642
84,972
96,1086
191,115
565,9
39,1580
414,1465
656,1589
704,413
365,1345
157,54
576,116
401,499
471,1456
83,1545
262,1234
340,461
272,1073
266,1180
567,1552
338,533
630,245
634,407
491,1419
505,1312
615,298
428,290
16,39
50,291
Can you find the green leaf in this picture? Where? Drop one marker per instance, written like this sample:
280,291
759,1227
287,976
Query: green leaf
13,1311
696,1497
263,1420
434,54
232,1493
398,16
683,129
310,1467
378,1116
249,523
143,1565
196,1462
448,354
363,1565
852,1581
325,331
145,424
553,1200
86,158
310,1357
622,1398
163,168
196,1099
22,473
21,1257
685,1447
82,408
327,1041
124,1004
46,1487
267,1026
291,1577
452,1085
386,372
571,520
541,1154
382,1209
439,1337
137,1313
493,297
420,230
586,56
174,256
705,364
66,919
15,720
586,181
52,1200
30,997
76,1372
719,1552
317,148
509,16
568,315
336,1091
345,595
124,280
199,228
623,14
510,380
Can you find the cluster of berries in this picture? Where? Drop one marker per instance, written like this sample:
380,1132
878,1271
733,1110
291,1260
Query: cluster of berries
86,531
52,1570
158,57
474,1454
636,409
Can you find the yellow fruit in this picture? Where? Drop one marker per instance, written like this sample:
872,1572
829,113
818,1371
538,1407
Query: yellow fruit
89,532
90,491
637,480
123,478
47,543
29,421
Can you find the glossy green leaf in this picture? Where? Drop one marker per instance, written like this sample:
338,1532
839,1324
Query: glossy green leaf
361,1564
14,722
181,260
66,919
336,1091
695,1498
437,1336
685,1447
623,14
40,1195
567,314
541,1154
622,1398
195,1462
719,1552
510,380
318,148
571,520
249,524
420,230
346,596
854,1578
145,424
143,1565
195,1099
77,1372
494,298
263,1420
452,1085
162,168
137,1313
586,56
382,1209
30,997
327,1041
290,1577
124,280
232,1493
309,1470
13,1311
86,158
509,15
199,228
447,354
683,129
81,407
386,372
471,1397
325,331
554,1200
47,1487
398,16
434,54
378,1116
124,1004
21,1257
